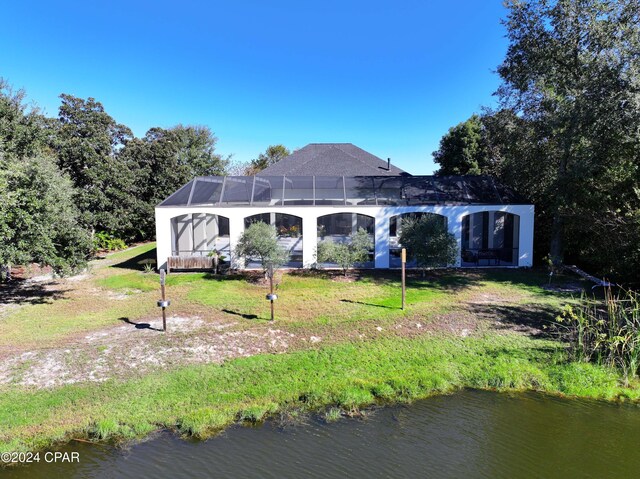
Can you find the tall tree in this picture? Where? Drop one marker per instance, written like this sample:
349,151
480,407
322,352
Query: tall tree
272,155
38,217
164,160
88,141
463,150
571,76
22,128
195,147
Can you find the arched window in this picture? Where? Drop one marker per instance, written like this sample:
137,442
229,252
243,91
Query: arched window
338,227
490,238
198,234
289,230
395,228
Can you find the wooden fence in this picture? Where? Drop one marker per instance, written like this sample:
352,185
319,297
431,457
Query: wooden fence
189,262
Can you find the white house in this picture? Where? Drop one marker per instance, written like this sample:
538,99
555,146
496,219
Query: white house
325,192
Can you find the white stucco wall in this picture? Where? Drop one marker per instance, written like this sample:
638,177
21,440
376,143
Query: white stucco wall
309,215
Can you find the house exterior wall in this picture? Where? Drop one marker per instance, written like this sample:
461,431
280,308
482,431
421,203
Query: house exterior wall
310,214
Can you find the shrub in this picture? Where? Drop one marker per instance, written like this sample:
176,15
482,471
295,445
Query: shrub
346,255
260,241
428,241
104,241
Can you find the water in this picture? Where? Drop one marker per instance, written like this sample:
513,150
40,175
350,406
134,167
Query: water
471,434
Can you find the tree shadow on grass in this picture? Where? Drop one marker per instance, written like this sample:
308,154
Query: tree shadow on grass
23,292
138,325
532,319
444,279
367,304
236,313
137,262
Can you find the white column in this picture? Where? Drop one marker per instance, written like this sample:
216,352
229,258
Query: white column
525,245
236,228
491,229
163,237
382,240
454,225
199,222
309,240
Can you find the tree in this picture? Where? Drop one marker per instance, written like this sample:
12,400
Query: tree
38,218
164,160
346,255
272,155
572,73
195,149
22,129
428,241
463,150
260,241
87,141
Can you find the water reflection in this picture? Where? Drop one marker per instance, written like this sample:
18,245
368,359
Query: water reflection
471,434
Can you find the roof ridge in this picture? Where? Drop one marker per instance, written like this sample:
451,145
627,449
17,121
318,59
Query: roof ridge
331,159
352,156
313,156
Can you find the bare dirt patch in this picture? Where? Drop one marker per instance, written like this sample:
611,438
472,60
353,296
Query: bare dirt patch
136,348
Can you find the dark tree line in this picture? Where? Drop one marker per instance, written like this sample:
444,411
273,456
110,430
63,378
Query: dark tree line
64,179
567,130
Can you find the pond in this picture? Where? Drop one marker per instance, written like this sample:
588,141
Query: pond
471,434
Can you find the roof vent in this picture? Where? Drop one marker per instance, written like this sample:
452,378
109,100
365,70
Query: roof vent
388,164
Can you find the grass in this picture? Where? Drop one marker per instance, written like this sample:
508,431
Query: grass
200,401
365,356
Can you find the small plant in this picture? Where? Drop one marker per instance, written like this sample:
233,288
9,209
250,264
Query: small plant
148,265
551,267
332,415
104,241
294,231
5,272
217,256
291,232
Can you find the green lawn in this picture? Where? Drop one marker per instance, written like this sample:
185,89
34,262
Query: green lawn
476,329
201,400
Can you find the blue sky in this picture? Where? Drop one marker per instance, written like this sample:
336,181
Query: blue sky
390,77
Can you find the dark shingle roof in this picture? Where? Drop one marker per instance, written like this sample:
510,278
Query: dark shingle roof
328,159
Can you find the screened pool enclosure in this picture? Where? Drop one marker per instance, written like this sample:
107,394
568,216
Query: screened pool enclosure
493,226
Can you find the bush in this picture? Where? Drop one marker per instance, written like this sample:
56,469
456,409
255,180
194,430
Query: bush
260,241
428,241
103,241
346,255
